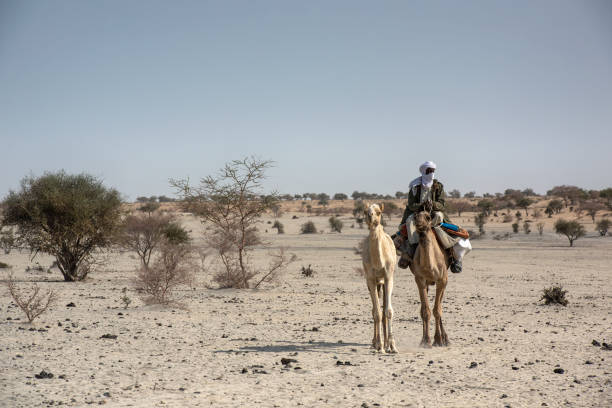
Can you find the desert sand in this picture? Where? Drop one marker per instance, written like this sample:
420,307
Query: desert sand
227,347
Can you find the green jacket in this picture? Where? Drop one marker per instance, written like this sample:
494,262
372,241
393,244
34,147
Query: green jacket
438,198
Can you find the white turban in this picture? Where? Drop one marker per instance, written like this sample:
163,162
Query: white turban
427,165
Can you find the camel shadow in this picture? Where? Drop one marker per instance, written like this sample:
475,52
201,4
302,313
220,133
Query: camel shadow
287,347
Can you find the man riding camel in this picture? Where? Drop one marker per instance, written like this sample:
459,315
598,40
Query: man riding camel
425,194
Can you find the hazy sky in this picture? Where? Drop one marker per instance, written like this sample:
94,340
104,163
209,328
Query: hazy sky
343,95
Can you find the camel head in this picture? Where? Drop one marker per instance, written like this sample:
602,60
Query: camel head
422,221
373,214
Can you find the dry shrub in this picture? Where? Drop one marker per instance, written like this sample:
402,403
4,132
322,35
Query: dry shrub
173,268
307,272
309,228
7,240
540,226
143,234
33,303
554,295
335,224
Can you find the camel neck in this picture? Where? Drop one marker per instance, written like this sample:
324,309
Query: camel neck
377,232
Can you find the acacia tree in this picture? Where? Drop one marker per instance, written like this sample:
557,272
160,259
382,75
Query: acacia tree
571,229
232,203
143,234
66,216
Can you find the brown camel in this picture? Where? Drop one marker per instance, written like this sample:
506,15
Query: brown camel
430,266
379,259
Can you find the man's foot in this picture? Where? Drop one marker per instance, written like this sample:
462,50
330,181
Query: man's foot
456,266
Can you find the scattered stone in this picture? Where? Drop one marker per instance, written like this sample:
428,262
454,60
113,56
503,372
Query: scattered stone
473,364
606,346
108,336
559,371
244,371
285,361
503,396
43,374
71,304
515,368
595,343
588,362
107,394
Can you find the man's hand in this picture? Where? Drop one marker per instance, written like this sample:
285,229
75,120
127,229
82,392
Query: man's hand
428,206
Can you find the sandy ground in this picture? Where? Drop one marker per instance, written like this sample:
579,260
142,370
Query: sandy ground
226,349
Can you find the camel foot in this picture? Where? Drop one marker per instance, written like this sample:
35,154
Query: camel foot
425,343
441,342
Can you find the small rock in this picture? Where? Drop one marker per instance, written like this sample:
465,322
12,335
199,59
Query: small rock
588,362
285,361
503,396
606,346
107,394
244,371
71,304
473,364
595,343
108,336
559,371
515,368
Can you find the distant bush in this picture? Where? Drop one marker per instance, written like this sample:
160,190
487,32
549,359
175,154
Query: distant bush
603,226
526,227
4,265
480,220
307,272
540,226
175,234
279,227
573,230
143,234
335,224
149,207
554,295
309,228
515,227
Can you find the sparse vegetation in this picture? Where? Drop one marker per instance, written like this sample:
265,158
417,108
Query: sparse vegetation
527,227
150,207
143,234
233,204
308,228
573,230
540,226
554,295
66,216
173,268
33,302
335,224
4,265
515,227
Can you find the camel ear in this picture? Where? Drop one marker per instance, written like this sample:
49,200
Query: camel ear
382,206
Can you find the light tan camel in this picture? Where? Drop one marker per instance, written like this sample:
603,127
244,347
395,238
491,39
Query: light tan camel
379,261
430,266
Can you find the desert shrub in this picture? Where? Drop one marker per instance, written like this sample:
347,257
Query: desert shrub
524,203
276,209
280,228
308,228
295,217
591,208
7,240
603,226
66,216
175,234
540,226
233,203
150,207
537,213
518,216
33,303
507,218
173,268
390,208
358,209
554,207
462,206
480,220
4,265
307,272
335,224
125,299
515,227
554,295
526,227
143,234
360,222
573,230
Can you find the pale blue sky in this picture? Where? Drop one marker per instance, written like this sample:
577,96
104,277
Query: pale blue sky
343,95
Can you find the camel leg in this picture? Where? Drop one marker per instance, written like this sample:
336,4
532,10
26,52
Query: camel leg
440,338
425,313
385,334
388,311
376,314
